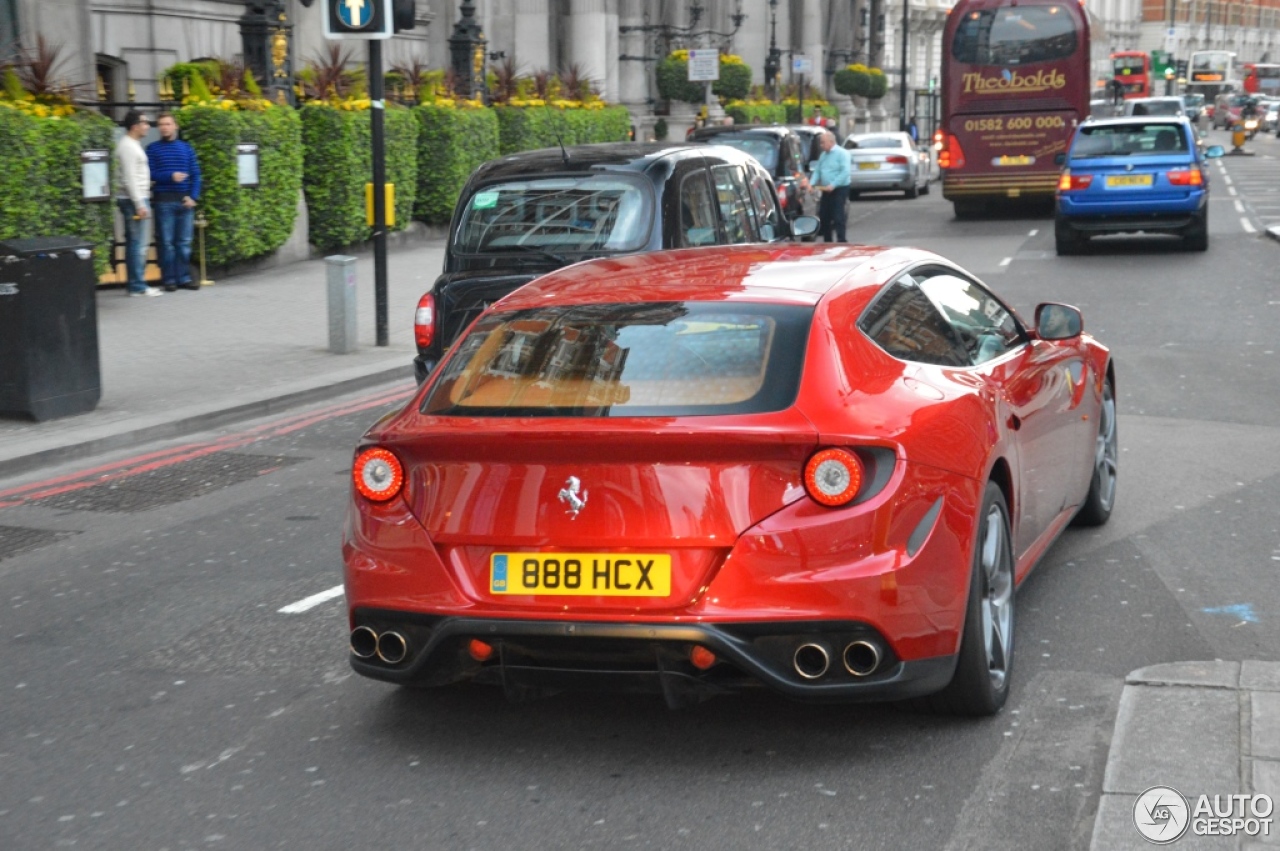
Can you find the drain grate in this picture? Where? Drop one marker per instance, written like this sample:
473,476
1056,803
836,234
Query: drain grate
169,485
19,539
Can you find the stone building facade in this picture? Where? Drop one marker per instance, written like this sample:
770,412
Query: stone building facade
124,45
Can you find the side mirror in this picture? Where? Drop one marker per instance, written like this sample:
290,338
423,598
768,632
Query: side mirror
1058,321
1060,158
1214,151
805,226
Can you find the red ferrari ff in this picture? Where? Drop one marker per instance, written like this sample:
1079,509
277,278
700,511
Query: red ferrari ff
820,469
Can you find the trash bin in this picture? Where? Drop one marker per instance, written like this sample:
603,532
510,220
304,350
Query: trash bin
48,327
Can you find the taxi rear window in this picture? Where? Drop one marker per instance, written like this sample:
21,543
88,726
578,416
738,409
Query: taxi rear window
626,360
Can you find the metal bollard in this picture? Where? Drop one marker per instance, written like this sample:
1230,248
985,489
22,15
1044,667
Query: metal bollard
341,271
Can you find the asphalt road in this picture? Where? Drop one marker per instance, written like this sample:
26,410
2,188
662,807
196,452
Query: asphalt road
155,696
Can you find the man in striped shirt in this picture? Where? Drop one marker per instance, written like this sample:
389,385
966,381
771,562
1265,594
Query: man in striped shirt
176,177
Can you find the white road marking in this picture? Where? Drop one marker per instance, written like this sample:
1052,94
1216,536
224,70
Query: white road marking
1034,231
1226,178
1248,228
312,601
1239,206
1006,261
1231,190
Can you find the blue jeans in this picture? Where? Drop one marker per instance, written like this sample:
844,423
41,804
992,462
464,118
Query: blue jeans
137,233
174,223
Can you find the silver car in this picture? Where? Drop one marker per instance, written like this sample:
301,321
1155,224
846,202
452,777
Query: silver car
885,161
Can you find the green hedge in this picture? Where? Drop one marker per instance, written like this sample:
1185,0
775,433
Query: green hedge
793,112
771,113
452,143
530,128
245,222
337,165
40,184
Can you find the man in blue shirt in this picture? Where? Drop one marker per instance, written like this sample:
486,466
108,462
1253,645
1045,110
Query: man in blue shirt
831,178
176,177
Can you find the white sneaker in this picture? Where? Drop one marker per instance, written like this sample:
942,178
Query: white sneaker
149,291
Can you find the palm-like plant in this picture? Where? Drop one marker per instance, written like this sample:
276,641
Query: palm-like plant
327,76
38,69
575,84
506,81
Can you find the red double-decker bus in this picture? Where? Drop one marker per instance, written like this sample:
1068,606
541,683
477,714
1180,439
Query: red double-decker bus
1262,79
1132,69
1015,82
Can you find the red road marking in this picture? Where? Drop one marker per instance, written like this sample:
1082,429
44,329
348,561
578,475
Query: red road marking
177,454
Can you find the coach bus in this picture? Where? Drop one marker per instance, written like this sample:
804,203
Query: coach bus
1132,68
1262,79
1015,82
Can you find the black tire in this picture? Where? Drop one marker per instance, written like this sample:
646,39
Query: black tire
980,684
924,190
912,191
1066,239
1096,508
1196,236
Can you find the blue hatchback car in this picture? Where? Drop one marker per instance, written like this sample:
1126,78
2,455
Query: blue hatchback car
1130,175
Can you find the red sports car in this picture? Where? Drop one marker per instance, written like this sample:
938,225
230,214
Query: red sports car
820,469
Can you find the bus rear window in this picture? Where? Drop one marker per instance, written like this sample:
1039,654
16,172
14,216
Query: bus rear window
1015,36
612,360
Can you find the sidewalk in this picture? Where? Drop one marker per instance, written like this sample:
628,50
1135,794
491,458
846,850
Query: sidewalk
1201,728
248,345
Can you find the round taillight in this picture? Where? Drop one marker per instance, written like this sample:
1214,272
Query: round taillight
833,476
378,474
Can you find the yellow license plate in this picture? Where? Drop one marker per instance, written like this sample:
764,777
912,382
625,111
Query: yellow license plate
581,574
868,166
1129,180
1004,161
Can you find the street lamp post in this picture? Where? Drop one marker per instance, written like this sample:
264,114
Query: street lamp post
467,53
902,83
773,62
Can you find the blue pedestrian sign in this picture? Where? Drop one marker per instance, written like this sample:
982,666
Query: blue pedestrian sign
358,19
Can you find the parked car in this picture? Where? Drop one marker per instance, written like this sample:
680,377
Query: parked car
1193,106
526,214
809,135
882,161
779,149
1129,175
819,469
1269,109
1155,106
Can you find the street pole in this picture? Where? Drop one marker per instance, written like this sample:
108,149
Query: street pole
378,139
902,84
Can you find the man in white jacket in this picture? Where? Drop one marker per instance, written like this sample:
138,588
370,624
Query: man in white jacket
133,196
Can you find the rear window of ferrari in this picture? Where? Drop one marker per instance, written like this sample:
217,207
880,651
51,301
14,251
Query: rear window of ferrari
626,360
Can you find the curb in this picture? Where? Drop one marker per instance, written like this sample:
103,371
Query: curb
200,422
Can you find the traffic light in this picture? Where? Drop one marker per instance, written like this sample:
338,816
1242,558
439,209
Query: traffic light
358,19
404,14
1182,69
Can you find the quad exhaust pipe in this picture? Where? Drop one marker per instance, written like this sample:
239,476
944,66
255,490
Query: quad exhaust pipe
861,658
390,647
811,660
364,642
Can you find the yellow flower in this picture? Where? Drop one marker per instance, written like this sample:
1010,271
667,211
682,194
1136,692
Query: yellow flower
730,59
